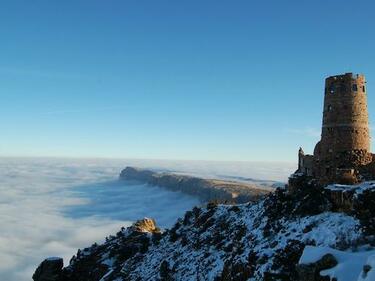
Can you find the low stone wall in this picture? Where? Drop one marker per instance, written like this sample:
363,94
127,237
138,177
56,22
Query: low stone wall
205,189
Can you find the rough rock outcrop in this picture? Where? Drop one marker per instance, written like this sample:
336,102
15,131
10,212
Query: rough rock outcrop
145,225
311,272
357,200
205,189
103,262
49,270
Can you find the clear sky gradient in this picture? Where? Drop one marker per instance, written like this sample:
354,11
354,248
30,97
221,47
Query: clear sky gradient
197,79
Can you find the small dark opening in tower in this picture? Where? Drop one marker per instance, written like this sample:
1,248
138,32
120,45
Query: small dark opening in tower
332,89
355,88
363,88
329,107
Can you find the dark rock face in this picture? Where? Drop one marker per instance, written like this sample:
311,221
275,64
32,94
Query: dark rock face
311,272
358,201
364,209
49,270
354,200
205,189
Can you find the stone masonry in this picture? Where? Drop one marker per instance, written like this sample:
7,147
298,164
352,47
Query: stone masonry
343,153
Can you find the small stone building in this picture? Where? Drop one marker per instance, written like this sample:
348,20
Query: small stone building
343,153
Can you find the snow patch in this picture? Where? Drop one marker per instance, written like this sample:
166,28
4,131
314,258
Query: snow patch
350,265
53,259
359,188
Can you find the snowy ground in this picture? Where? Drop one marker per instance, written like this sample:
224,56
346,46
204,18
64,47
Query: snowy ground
52,207
350,264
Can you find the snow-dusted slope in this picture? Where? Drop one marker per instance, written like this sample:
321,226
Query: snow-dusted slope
255,241
230,239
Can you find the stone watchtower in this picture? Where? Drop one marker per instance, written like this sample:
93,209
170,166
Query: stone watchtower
345,140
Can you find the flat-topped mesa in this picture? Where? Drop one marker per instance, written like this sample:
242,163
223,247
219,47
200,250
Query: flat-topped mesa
343,153
205,189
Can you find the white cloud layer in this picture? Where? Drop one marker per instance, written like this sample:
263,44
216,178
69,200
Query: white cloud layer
308,132
52,207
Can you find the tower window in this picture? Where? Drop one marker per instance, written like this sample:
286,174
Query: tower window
363,88
332,89
354,87
329,107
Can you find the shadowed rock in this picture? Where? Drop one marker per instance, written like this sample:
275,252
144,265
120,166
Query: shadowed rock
49,270
311,272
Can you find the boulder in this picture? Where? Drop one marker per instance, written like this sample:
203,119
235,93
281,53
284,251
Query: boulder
145,225
49,270
311,271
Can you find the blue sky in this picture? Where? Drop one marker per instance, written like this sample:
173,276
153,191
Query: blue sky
213,80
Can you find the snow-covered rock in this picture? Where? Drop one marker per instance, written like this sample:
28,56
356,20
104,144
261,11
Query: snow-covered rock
351,266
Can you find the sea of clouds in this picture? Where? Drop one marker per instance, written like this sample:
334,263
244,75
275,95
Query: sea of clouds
52,207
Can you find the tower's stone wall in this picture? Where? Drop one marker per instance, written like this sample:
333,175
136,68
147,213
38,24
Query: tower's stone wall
345,139
345,115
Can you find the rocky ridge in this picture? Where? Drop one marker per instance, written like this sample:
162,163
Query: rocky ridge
264,240
205,189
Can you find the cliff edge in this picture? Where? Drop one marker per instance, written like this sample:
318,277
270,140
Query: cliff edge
205,189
